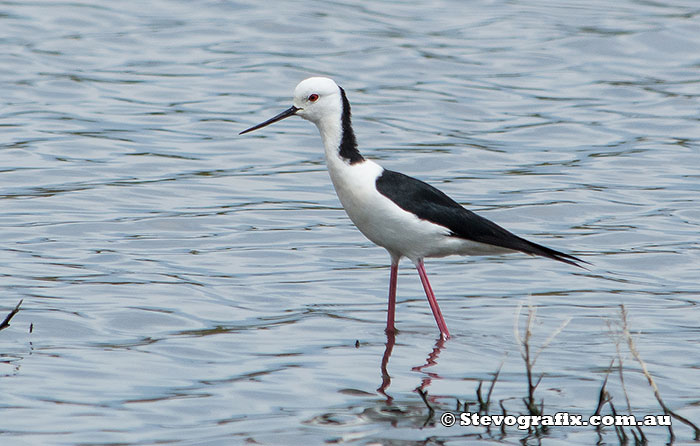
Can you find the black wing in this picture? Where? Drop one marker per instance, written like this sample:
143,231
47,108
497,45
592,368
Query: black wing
431,204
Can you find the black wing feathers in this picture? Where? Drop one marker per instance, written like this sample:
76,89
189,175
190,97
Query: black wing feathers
431,204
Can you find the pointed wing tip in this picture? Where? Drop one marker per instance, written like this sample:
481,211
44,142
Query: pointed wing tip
539,250
571,260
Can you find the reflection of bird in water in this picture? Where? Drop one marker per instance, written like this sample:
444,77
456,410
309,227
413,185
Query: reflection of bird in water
430,361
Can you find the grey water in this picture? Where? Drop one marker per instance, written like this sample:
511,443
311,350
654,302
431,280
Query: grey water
188,286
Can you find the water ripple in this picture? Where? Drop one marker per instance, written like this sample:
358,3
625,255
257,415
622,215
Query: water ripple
184,285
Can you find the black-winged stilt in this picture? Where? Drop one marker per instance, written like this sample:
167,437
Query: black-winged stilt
405,216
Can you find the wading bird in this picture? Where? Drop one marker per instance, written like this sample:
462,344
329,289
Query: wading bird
405,216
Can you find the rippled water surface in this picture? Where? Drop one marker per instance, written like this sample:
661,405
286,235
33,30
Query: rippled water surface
185,285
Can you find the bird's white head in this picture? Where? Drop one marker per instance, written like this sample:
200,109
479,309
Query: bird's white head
316,99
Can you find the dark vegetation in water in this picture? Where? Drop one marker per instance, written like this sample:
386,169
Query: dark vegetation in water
621,334
6,322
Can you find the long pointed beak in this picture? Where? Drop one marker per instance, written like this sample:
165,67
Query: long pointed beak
291,111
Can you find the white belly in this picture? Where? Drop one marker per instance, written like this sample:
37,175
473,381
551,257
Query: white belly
386,224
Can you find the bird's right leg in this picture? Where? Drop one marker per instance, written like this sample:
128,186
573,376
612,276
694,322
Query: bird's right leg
393,277
442,326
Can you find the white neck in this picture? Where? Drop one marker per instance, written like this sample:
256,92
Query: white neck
331,134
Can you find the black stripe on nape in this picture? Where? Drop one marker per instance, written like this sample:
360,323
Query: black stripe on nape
348,144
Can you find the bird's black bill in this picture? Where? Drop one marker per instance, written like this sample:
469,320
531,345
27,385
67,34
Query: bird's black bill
291,111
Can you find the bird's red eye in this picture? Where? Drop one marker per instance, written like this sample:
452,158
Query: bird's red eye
313,97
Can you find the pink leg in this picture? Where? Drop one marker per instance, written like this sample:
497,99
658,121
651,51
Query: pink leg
392,297
431,299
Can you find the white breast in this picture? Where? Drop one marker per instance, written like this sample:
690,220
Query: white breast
385,223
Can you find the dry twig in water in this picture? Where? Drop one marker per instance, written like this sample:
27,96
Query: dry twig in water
650,379
424,395
6,323
529,358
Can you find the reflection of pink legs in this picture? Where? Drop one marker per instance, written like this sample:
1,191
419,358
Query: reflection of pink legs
431,299
429,362
386,378
392,297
